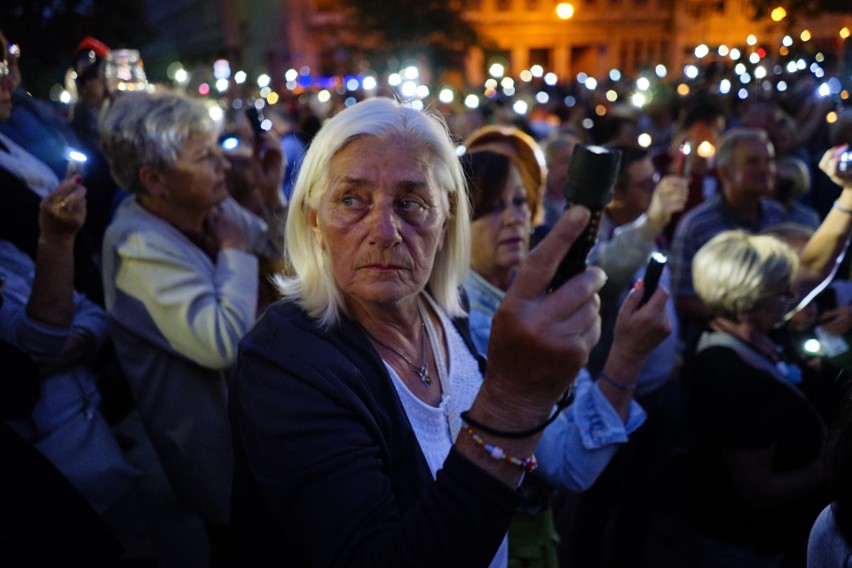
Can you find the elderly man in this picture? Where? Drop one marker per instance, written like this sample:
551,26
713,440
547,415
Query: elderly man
746,168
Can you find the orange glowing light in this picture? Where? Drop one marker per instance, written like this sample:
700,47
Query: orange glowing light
778,14
565,10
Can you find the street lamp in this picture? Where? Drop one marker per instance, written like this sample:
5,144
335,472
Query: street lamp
565,10
778,14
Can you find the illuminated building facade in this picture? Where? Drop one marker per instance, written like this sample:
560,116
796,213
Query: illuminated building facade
563,37
600,35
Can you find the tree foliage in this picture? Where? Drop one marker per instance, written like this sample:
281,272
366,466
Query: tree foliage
434,29
49,31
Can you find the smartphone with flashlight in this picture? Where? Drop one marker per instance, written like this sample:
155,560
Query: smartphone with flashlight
844,165
686,155
652,276
76,164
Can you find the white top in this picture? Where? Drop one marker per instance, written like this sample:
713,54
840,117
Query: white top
436,428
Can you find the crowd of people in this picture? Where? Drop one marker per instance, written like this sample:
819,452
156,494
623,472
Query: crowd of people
340,343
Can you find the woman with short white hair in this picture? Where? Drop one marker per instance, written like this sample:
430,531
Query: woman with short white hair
180,264
367,429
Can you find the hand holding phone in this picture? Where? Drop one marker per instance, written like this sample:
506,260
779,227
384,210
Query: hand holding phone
652,276
844,164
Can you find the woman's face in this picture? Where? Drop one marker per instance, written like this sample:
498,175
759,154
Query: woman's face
501,238
769,312
381,220
197,180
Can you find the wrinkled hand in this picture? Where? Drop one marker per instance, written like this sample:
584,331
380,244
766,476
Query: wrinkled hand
837,321
638,330
63,211
669,198
268,168
828,164
226,231
539,342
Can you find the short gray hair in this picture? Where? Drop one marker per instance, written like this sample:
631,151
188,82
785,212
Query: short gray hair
735,270
312,282
148,129
733,138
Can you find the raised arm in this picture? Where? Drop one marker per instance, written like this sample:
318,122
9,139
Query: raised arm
577,447
520,389
638,331
820,252
631,243
61,215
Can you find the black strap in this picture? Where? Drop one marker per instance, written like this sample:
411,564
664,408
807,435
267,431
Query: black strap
560,406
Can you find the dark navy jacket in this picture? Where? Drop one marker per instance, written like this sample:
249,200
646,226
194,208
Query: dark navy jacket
328,469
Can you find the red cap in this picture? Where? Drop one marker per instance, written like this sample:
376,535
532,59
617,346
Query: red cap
89,43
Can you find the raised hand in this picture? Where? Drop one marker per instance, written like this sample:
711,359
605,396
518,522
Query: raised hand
228,233
669,198
539,342
63,211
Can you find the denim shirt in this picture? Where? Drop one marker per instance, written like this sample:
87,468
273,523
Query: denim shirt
576,448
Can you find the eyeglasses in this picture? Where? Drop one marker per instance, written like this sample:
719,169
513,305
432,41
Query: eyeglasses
787,295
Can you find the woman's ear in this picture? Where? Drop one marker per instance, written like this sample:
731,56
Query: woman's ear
153,181
313,223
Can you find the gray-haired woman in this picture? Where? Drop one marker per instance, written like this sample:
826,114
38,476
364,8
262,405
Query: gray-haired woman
181,278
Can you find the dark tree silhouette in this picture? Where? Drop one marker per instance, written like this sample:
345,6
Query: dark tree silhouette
433,29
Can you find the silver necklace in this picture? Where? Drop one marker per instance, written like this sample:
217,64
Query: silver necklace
421,370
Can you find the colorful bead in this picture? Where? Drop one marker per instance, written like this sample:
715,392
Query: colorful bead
498,453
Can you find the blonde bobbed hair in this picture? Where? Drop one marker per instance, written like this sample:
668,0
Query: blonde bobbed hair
735,270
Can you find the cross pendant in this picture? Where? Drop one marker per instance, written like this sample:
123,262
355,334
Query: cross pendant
424,376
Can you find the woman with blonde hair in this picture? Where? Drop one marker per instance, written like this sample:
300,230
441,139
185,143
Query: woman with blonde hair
757,481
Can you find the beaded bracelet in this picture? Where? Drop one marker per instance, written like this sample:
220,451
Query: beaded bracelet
616,384
841,208
498,453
